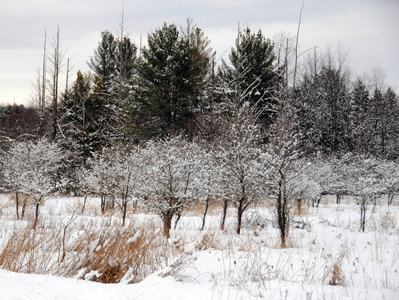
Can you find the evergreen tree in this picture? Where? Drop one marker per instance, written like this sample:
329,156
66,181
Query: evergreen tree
203,58
360,118
114,67
384,107
122,95
166,83
79,120
104,61
323,104
252,68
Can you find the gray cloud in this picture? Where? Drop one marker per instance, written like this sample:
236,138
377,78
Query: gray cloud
367,28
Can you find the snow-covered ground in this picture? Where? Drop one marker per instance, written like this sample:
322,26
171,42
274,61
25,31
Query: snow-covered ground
328,257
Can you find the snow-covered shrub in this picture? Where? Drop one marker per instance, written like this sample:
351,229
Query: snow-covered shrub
34,168
169,177
254,219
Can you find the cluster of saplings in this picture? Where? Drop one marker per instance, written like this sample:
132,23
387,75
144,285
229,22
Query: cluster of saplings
167,125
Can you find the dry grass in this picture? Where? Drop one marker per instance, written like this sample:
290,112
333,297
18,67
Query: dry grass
336,276
105,253
29,200
198,209
207,241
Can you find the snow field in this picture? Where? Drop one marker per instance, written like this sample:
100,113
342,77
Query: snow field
328,257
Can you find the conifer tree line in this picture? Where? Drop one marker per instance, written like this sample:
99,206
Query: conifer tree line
175,85
167,125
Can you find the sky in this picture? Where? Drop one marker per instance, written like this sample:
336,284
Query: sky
366,29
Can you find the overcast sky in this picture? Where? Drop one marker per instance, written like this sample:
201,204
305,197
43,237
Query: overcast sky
368,29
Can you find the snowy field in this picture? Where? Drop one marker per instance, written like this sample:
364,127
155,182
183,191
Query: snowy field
327,257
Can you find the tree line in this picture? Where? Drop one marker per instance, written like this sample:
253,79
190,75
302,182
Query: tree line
165,125
173,85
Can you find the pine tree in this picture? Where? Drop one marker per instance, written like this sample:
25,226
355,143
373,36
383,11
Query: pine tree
360,118
79,125
166,83
252,65
113,64
104,61
203,58
124,85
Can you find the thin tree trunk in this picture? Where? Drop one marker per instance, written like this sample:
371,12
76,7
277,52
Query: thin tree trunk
42,97
224,213
102,204
23,208
363,209
56,72
84,204
338,198
178,219
205,213
390,198
17,204
36,213
124,210
282,214
240,211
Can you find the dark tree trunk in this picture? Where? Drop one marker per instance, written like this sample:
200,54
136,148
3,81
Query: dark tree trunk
318,202
363,209
205,213
36,213
24,207
17,204
84,204
299,206
124,210
240,211
390,198
178,219
282,215
167,224
339,197
102,204
224,213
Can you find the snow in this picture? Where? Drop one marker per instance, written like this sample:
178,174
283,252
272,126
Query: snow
216,264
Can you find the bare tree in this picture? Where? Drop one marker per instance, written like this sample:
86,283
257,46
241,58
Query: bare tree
56,61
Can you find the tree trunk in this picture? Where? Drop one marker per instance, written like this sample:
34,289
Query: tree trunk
17,204
84,204
299,206
124,210
36,213
363,209
178,218
102,204
224,213
390,198
338,198
23,208
240,211
205,212
282,216
167,224
318,202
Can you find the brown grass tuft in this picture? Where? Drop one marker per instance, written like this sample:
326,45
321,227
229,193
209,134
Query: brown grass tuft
337,277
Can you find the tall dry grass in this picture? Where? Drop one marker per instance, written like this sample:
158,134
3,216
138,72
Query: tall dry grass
97,251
